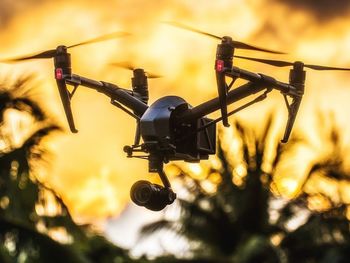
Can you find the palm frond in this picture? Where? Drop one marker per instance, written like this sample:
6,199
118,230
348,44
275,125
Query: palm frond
50,250
17,95
151,228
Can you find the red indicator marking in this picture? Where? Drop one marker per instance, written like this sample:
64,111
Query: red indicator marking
59,73
219,65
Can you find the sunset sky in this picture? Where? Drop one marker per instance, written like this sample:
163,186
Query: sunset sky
90,169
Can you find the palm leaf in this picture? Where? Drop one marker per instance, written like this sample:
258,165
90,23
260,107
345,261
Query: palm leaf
153,227
50,250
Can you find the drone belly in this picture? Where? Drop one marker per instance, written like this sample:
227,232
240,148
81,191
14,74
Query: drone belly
162,134
155,124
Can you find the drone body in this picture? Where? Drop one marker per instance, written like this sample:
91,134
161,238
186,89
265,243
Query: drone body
170,128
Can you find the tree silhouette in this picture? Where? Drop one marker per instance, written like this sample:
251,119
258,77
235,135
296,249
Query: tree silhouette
231,224
325,236
235,223
25,224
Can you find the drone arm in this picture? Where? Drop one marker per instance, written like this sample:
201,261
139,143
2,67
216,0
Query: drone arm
123,96
210,106
285,88
295,90
257,83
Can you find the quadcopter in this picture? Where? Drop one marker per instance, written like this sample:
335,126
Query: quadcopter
171,129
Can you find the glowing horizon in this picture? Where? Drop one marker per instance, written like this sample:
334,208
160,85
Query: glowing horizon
90,169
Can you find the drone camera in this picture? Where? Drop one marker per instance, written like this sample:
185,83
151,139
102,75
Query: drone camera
152,196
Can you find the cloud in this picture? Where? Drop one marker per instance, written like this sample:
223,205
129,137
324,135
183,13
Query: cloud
10,9
321,9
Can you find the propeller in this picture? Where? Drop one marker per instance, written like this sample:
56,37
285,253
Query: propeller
236,44
281,63
129,66
52,52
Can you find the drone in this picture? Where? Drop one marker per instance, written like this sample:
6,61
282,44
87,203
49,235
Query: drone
170,128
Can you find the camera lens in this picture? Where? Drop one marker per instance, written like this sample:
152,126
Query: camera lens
141,192
152,196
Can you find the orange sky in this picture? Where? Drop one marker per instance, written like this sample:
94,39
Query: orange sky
90,169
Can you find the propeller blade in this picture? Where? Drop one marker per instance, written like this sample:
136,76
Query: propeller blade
179,25
123,64
129,66
237,44
281,63
317,67
101,38
276,63
242,45
45,54
52,52
153,76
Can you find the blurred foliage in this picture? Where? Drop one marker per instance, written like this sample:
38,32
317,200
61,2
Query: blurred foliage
35,224
325,236
245,219
232,213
